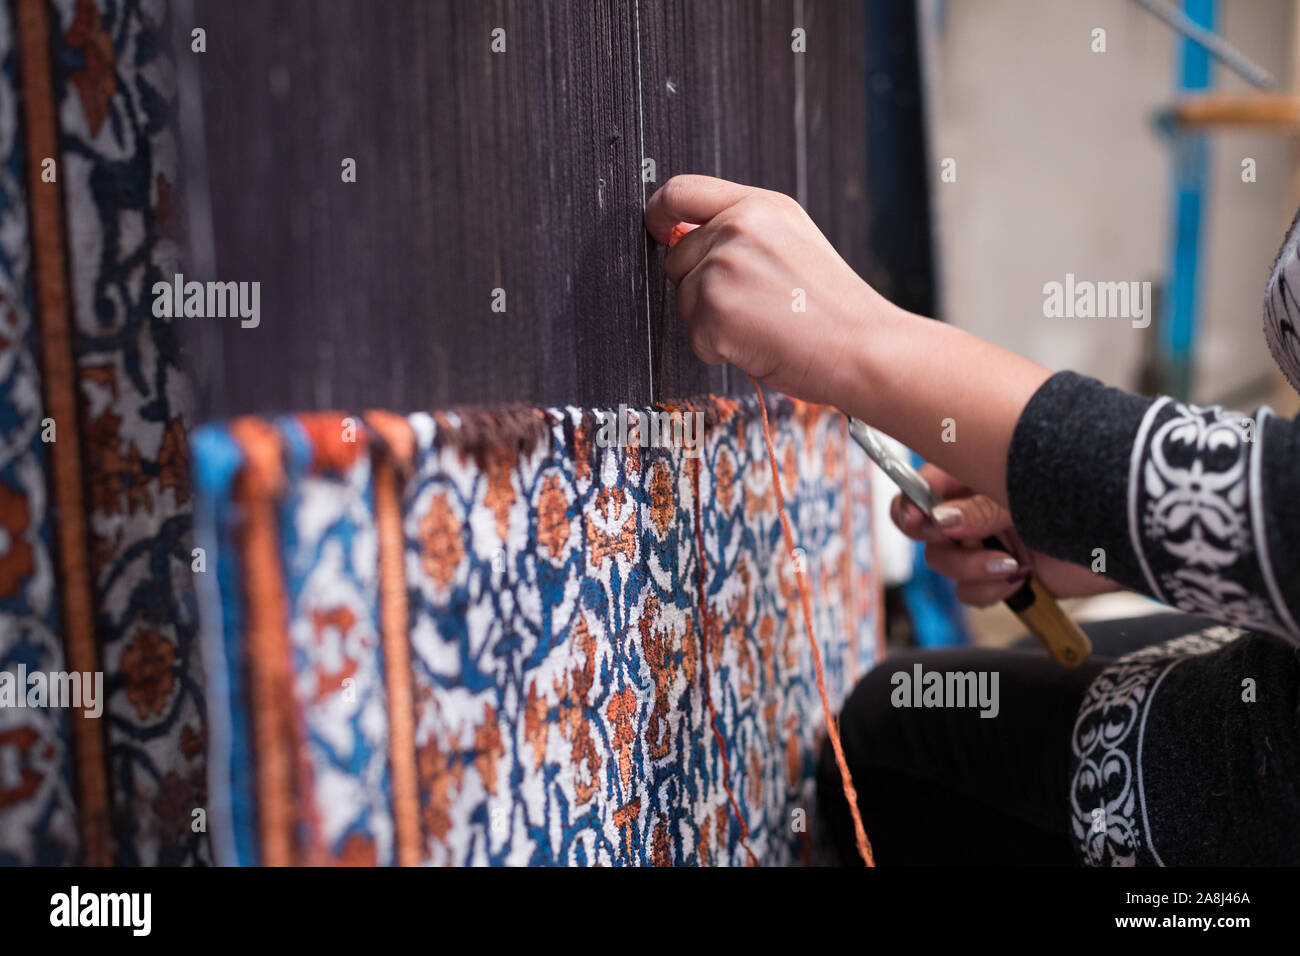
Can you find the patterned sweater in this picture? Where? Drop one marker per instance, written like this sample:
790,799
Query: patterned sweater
1186,752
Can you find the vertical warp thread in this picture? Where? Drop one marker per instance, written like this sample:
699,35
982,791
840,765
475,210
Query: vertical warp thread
805,602
645,238
705,629
59,375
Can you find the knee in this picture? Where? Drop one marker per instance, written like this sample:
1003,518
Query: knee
870,730
871,727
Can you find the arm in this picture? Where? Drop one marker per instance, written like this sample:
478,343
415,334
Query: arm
1198,507
912,375
1180,503
737,278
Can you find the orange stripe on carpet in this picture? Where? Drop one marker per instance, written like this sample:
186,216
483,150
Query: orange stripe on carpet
59,374
267,638
393,455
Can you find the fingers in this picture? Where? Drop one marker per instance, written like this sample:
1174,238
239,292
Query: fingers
909,520
690,199
908,517
970,566
962,514
983,577
976,516
701,334
942,483
688,251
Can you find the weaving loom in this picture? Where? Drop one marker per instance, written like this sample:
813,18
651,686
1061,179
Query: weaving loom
474,635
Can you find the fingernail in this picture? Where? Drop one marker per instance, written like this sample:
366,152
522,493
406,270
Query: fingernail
946,516
1002,566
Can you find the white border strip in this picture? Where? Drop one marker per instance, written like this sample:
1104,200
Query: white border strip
1134,475
1259,527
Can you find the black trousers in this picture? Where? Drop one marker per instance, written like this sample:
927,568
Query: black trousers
943,785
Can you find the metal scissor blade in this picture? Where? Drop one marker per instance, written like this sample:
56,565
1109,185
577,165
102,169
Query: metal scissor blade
907,478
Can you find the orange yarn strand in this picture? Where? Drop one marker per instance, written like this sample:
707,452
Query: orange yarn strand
805,601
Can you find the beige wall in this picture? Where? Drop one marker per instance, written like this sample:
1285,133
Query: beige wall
1060,169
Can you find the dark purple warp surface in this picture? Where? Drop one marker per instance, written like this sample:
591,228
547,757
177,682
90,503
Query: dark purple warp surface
477,170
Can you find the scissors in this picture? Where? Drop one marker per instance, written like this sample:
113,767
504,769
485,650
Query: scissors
1063,639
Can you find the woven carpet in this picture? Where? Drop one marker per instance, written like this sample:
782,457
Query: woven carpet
479,638
95,549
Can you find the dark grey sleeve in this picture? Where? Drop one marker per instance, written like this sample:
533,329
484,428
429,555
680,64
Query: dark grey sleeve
1197,507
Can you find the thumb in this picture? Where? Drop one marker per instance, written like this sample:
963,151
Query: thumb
691,199
975,517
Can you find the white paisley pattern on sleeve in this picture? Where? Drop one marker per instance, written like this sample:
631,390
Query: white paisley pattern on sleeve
1196,515
1109,803
1282,308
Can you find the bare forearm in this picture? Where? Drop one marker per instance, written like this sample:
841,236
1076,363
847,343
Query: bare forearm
954,398
761,288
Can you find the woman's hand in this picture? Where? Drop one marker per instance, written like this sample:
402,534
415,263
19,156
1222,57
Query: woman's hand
984,576
761,287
